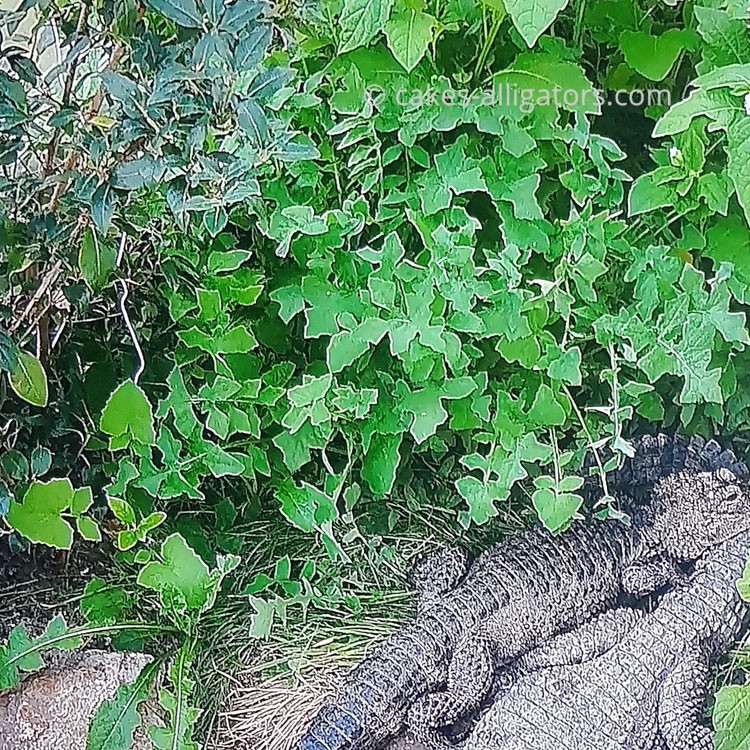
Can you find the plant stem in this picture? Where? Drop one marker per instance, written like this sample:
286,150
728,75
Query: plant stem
488,42
86,631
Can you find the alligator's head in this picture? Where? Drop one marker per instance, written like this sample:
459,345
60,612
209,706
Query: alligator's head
694,512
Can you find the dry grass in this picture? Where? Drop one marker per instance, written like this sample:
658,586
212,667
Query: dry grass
272,700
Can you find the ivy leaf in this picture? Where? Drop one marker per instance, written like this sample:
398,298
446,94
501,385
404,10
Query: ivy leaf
39,516
555,506
346,347
380,463
546,410
311,390
533,17
29,380
567,367
307,508
654,56
481,498
361,20
409,34
127,417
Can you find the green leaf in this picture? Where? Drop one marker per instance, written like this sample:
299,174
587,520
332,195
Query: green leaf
380,463
541,73
743,585
182,579
127,416
132,175
41,461
82,500
8,352
182,12
103,603
115,720
15,464
481,498
546,409
731,718
348,346
654,56
252,48
122,510
567,367
555,508
5,498
409,35
361,20
239,15
29,380
311,390
178,732
22,653
39,516
88,529
699,103
96,259
533,17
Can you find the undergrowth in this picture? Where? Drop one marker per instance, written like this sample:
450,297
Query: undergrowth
288,295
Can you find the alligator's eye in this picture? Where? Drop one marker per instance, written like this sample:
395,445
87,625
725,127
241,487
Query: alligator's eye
731,499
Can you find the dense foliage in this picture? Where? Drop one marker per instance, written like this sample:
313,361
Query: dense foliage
298,263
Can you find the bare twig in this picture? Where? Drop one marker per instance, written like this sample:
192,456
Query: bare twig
49,278
592,444
123,309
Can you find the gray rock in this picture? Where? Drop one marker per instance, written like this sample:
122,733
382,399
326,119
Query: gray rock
51,709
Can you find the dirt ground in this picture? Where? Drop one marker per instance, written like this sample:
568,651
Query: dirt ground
38,582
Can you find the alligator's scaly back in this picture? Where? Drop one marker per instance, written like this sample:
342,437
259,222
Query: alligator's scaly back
658,456
648,683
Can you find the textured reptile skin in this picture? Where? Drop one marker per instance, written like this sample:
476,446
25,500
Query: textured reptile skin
521,593
644,693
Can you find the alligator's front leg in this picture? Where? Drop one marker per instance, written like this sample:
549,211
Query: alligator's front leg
643,577
592,639
470,675
681,701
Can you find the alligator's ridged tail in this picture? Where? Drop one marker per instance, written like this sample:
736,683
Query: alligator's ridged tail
371,708
334,727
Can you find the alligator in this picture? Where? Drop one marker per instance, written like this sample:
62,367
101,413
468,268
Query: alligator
626,680
520,593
